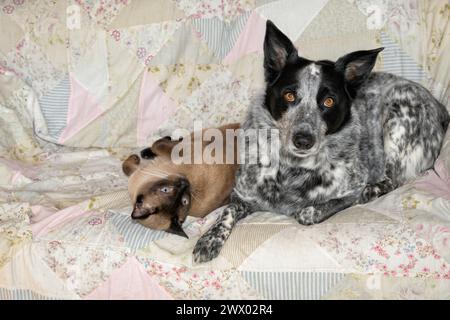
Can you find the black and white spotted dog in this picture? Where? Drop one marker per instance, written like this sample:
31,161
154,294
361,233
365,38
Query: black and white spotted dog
346,136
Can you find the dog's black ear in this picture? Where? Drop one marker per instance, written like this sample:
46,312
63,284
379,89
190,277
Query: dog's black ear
278,50
356,66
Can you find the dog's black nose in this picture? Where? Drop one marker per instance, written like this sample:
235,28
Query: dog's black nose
303,140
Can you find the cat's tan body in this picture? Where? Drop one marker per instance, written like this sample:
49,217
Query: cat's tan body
200,188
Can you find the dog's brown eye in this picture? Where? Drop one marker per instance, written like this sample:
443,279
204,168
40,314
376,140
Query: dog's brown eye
289,96
328,102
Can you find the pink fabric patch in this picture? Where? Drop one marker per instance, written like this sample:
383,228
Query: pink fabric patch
436,182
15,177
155,107
130,282
58,218
250,40
83,108
21,168
40,213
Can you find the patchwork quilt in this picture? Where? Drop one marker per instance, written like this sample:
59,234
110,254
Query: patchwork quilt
84,83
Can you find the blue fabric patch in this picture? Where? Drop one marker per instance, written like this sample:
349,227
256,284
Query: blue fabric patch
135,235
396,61
55,105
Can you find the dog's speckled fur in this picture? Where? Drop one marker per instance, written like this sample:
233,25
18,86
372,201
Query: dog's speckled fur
383,131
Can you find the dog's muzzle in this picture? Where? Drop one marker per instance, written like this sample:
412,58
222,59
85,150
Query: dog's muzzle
303,140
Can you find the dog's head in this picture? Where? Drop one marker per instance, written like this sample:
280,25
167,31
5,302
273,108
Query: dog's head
309,100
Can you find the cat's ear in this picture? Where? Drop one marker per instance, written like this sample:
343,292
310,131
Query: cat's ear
278,50
131,164
357,66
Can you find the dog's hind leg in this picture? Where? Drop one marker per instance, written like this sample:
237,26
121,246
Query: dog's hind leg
210,244
389,183
413,130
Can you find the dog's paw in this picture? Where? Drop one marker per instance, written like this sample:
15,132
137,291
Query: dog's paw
369,193
307,216
207,248
373,191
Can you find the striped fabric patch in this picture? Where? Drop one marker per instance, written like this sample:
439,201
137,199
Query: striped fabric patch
396,61
136,236
54,106
220,35
21,294
246,238
292,285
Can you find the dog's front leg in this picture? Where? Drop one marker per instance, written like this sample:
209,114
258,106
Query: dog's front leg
320,212
209,245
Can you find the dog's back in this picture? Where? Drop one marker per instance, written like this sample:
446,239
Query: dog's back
409,121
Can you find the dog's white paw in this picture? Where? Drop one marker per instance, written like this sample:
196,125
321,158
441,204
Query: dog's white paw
307,216
207,248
